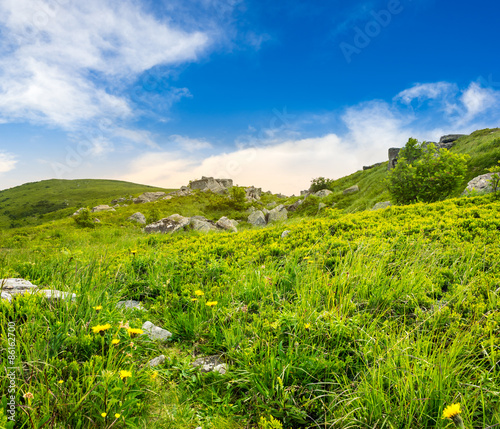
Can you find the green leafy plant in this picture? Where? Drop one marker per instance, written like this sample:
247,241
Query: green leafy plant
320,183
495,178
84,219
425,173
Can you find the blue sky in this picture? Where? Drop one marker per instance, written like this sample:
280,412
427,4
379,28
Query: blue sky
271,94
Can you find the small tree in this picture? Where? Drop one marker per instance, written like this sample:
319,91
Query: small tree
84,219
495,178
424,173
320,183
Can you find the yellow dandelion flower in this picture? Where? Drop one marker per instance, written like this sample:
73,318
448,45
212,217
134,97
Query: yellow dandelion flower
453,412
101,328
125,374
61,381
199,292
154,375
211,303
133,251
134,331
97,308
115,341
194,299
307,325
117,416
104,414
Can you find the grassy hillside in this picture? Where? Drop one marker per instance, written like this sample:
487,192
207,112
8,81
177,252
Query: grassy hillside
371,319
38,202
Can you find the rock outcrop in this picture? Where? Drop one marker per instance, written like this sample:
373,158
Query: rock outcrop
323,193
148,197
217,186
257,218
253,193
351,190
13,287
480,184
382,205
102,208
138,217
210,364
177,222
227,224
294,206
279,213
169,224
155,332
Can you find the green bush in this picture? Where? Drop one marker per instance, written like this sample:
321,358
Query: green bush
425,173
84,219
320,183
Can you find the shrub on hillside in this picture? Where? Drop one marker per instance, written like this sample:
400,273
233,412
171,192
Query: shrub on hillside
84,219
425,173
320,183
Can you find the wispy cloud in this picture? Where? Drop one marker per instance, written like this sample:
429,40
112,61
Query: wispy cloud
8,162
65,63
426,91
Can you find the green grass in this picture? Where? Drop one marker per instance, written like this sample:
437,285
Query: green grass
371,319
39,202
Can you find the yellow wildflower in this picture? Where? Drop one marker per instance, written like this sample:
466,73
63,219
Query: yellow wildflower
61,381
199,292
134,331
117,416
115,341
97,308
453,412
104,414
125,374
307,325
194,299
211,303
101,328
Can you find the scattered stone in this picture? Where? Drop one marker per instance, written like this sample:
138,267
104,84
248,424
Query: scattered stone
217,186
252,193
78,211
281,196
155,332
321,206
382,205
368,167
138,217
156,361
277,214
211,364
323,193
102,208
480,184
169,224
304,193
294,206
119,200
96,220
7,296
285,233
450,138
199,223
257,218
53,294
351,190
227,224
130,304
271,205
183,192
148,197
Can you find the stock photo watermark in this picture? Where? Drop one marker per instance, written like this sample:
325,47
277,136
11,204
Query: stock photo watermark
11,372
363,35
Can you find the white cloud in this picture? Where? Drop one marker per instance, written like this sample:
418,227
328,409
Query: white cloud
190,145
425,91
7,162
61,60
141,137
476,100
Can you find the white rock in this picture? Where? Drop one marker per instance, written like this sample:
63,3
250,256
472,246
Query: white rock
155,332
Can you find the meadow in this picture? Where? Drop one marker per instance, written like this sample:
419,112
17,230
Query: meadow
373,319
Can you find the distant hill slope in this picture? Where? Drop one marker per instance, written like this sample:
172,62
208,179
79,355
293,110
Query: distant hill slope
483,147
38,202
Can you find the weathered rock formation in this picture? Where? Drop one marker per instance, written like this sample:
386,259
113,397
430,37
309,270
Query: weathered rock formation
253,193
382,205
480,184
102,208
155,332
351,190
148,197
138,217
13,287
217,186
177,222
323,193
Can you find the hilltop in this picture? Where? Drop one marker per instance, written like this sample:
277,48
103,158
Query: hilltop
38,202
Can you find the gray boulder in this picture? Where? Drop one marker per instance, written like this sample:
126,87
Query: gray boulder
156,361
130,304
148,197
277,214
12,287
321,206
252,193
78,211
382,205
227,224
285,233
450,138
351,190
480,184
199,223
294,206
257,218
53,294
155,332
169,224
210,364
393,157
217,186
102,208
323,193
138,217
